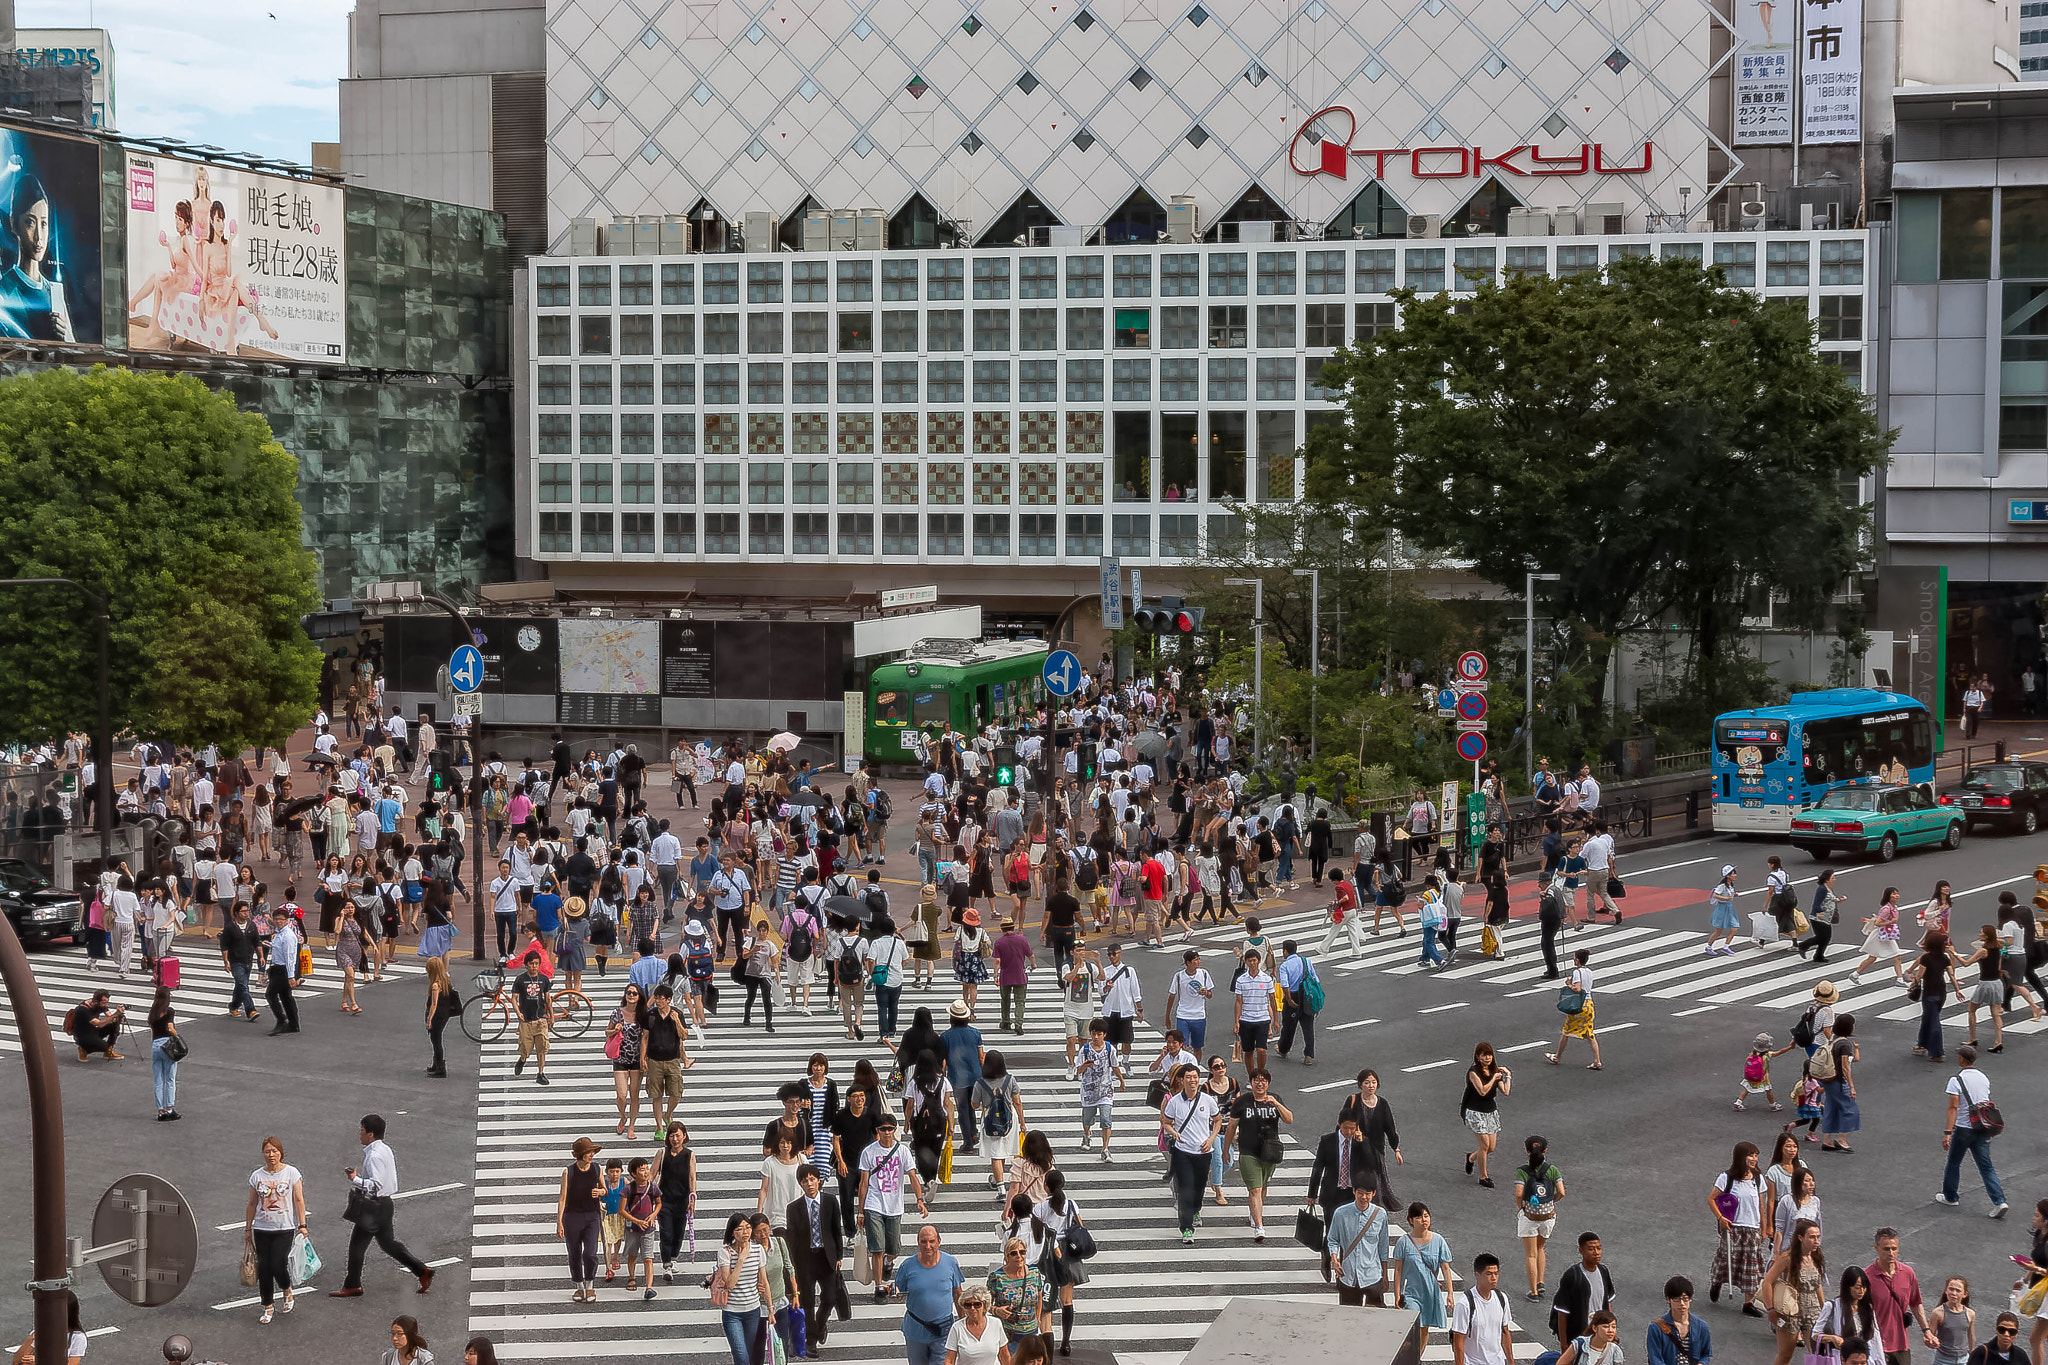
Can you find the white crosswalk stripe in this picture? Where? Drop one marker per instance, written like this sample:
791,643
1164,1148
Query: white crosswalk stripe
64,979
1149,1297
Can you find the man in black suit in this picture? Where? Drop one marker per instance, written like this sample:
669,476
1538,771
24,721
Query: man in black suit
816,1246
1344,1160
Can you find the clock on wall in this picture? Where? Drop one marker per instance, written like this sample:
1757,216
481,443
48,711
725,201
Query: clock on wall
529,638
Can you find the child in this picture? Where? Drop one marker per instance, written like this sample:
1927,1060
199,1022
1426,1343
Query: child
1806,1096
642,1209
1756,1072
613,1225
1099,1068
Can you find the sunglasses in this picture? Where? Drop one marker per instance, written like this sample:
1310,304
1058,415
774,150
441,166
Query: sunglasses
2008,1331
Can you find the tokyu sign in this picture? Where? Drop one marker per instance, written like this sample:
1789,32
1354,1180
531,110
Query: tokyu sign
1322,146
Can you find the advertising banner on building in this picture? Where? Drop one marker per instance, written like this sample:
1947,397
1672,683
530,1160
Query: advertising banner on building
50,246
1763,72
234,262
1831,71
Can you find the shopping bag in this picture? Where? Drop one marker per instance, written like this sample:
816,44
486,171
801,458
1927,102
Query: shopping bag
946,1162
797,1334
1763,926
2033,1296
302,1262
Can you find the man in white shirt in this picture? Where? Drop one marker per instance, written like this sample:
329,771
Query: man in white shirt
425,757
1482,1328
1599,855
324,743
667,852
1122,999
376,1175
1187,999
1960,1134
1587,789
202,790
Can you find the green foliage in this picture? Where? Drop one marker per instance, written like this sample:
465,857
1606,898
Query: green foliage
179,509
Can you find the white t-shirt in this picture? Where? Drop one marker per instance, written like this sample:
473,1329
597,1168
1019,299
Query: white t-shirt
274,1211
1976,1092
1748,1200
1191,1118
885,1167
1120,990
968,1349
1581,979
1257,994
1188,1000
1481,1321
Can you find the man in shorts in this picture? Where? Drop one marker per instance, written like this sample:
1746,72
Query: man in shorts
884,1167
1254,1010
662,1050
1101,1073
1079,989
1255,1135
1122,999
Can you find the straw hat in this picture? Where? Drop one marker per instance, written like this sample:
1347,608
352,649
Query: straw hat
958,1009
1826,993
575,908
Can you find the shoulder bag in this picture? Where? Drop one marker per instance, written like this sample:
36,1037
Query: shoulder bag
1984,1115
175,1049
1570,999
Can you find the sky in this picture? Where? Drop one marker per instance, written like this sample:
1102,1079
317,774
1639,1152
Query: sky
244,75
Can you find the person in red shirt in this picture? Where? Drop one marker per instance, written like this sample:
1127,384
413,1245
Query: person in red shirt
1344,918
1152,897
1895,1301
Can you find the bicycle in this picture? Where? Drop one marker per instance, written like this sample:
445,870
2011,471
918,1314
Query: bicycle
489,1014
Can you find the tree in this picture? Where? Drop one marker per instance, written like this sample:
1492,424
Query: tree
178,508
1665,443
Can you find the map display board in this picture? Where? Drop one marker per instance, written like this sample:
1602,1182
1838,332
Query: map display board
610,656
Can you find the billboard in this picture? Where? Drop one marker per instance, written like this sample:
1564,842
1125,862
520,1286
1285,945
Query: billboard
50,245
1831,74
90,48
229,261
1763,73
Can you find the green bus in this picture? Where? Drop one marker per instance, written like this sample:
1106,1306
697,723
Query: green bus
961,683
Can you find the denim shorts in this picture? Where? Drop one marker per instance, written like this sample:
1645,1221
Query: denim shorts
885,1232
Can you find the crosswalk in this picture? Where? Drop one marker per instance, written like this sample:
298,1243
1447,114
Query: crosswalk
1148,1300
64,979
1654,963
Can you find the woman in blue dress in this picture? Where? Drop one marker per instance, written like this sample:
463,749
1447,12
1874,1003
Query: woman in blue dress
1425,1261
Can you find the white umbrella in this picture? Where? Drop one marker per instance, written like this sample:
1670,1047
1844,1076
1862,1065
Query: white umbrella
783,742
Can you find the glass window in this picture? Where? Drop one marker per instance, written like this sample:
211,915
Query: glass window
899,382
636,385
991,279
1084,381
1038,535
764,333
991,381
1132,453
809,334
1180,329
1038,381
636,433
551,286
1084,328
810,533
721,533
679,483
1227,432
1276,272
1528,260
678,533
945,534
899,280
1473,266
1321,387
594,286
722,482
597,482
678,386
856,331
1177,537
1226,379
722,385
1226,324
722,282
1736,259
857,482
1130,535
1324,325
1276,326
764,533
1276,378
636,533
809,383
1180,381
808,281
594,335
1785,263
1227,273
1276,456
558,533
1180,449
1133,328
1084,277
899,533
679,284
1425,268
1841,317
636,334
899,484
899,328
1325,272
551,387
679,334
1842,262
1131,381
856,281
1180,275
1682,251
1038,277
764,281
1376,270
597,533
1966,234
991,329
1226,535
594,385
856,533
943,330
764,482
554,477
945,381
551,433
721,334
1038,329
991,535
943,278
594,433
1084,535
2022,426
679,433
856,383
636,286
1133,277
764,383
551,336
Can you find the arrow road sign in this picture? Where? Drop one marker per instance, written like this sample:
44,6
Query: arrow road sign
466,669
1063,675
1472,665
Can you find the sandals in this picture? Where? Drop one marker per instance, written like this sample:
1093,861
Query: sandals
267,1312
1550,1057
1595,1066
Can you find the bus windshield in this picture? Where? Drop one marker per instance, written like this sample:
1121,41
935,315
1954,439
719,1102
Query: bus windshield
1751,743
889,708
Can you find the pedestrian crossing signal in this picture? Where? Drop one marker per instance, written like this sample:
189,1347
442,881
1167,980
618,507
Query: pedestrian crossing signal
1006,777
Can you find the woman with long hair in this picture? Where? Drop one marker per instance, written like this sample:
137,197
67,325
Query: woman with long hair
443,1004
1933,976
1988,992
1793,1289
1847,1316
408,1343
627,1025
1882,940
163,1029
1741,1205
349,958
1485,1082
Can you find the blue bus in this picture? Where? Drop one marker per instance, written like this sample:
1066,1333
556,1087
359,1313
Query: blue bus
1773,761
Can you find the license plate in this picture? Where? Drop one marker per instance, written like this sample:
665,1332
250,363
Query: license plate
1752,803
1824,826
1973,800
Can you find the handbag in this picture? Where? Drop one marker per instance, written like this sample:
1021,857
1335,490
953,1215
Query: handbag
2030,1299
1570,1000
1727,1205
1310,1231
248,1267
1615,890
917,931
614,1045
175,1049
1785,1300
361,1210
1077,1241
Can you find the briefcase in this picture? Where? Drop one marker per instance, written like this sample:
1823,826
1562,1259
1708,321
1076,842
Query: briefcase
1310,1231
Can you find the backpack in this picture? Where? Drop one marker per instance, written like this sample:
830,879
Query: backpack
800,943
1397,892
884,807
1754,1069
1803,1031
996,1119
1087,877
877,901
849,962
700,962
1821,1066
1312,989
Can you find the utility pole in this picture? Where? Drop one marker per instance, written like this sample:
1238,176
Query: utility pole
1315,642
1529,671
1258,587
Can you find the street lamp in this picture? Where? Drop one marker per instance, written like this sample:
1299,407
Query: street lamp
1258,587
1529,671
1315,640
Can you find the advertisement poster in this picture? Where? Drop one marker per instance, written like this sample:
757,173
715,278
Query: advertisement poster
233,262
1763,72
686,658
1831,71
50,282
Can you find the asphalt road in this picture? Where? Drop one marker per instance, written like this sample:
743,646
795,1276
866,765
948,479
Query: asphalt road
1638,1143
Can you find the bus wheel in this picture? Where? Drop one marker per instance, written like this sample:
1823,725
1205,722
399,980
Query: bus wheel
1888,847
1955,835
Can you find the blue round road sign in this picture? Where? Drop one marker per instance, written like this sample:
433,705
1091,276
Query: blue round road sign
1472,746
466,669
1063,673
1472,706
1446,699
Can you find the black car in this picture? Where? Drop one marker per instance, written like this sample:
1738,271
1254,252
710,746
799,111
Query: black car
2012,796
38,911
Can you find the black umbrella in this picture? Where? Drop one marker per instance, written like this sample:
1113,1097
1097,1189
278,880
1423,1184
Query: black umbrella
1151,744
807,800
848,906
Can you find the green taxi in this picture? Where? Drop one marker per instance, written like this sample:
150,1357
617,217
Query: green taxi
1864,818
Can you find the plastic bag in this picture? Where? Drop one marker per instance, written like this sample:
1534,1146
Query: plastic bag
302,1262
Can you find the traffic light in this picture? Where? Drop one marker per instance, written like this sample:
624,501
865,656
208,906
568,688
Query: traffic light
340,620
1005,757
1188,621
1162,619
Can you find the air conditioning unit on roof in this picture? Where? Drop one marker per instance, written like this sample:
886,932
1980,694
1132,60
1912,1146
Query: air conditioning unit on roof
1425,225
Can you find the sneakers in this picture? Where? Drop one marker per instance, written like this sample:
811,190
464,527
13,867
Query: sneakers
1084,1139
1112,1160
1944,1199
1739,1105
1258,1232
519,1067
1777,1108
1997,1211
1187,1239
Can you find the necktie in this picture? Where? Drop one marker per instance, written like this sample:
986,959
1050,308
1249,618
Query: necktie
817,1227
1344,1161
